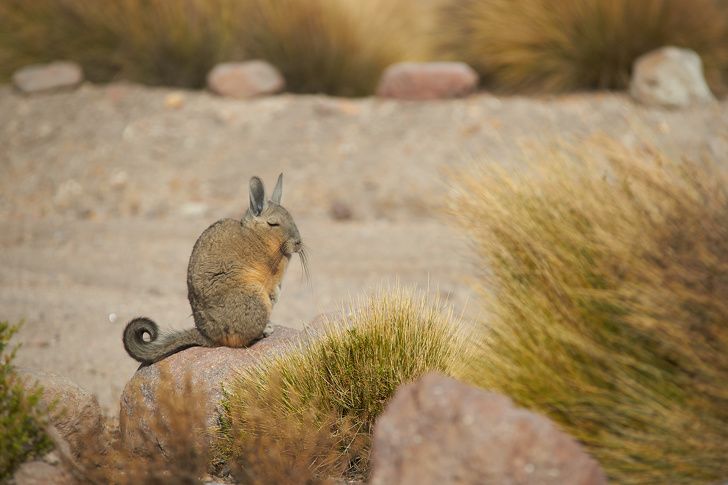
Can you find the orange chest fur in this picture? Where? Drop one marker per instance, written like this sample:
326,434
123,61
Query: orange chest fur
267,273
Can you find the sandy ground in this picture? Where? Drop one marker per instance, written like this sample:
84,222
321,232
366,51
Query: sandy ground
103,192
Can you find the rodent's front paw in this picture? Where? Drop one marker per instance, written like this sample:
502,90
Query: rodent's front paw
268,330
275,294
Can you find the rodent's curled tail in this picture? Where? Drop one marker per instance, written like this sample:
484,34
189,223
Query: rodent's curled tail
155,349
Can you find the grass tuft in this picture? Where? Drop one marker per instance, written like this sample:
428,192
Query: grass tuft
347,374
546,46
606,276
22,423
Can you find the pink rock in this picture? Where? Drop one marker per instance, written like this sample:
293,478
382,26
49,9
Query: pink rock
47,77
245,79
428,80
208,369
440,431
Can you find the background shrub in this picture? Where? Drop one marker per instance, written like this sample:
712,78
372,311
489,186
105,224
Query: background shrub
606,277
542,45
329,46
171,42
21,422
349,372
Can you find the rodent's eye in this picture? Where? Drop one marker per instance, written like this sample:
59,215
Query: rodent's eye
273,224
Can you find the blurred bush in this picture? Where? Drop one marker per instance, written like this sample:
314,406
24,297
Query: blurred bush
554,46
347,374
606,276
169,42
330,46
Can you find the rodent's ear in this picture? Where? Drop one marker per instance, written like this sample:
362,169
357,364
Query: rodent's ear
278,191
257,196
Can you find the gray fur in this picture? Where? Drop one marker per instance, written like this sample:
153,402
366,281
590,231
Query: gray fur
257,196
278,191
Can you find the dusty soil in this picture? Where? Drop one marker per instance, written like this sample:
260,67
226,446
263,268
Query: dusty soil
103,192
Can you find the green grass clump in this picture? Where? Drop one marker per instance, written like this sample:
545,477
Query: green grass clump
548,46
606,276
327,46
22,423
348,373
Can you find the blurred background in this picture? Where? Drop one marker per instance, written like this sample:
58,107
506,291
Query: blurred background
113,162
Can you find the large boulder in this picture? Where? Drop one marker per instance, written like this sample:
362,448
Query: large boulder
187,381
439,431
48,77
427,80
669,77
74,412
244,79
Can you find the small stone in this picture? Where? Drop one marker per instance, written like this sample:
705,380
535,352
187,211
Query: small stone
245,79
119,179
48,77
52,458
340,211
174,100
193,209
440,431
669,77
427,80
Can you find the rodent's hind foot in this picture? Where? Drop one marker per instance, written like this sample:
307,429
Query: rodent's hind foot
268,330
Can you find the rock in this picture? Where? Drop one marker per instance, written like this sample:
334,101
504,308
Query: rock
174,100
75,413
42,473
670,77
48,77
427,80
340,211
439,431
208,369
245,79
193,209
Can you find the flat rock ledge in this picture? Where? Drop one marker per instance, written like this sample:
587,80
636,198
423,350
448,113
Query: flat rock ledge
440,431
206,369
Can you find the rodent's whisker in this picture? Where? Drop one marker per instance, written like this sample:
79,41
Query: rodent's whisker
303,258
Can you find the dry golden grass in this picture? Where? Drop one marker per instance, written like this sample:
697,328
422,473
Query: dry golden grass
306,446
547,46
344,377
606,274
172,42
329,46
